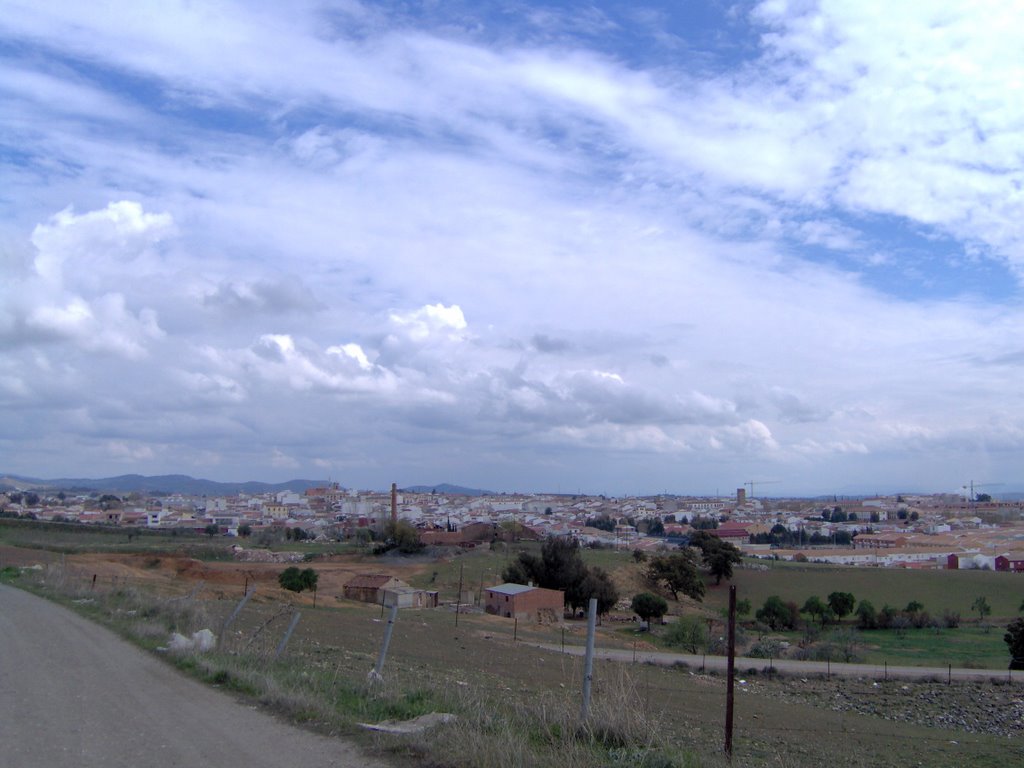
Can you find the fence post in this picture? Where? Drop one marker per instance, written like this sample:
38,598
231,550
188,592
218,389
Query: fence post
238,609
375,673
588,663
731,672
287,636
515,629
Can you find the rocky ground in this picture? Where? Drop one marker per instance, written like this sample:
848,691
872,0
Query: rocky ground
975,707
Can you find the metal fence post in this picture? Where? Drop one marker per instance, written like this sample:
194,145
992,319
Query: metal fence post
588,664
287,636
375,673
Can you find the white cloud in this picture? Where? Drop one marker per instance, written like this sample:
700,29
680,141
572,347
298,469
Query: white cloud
431,321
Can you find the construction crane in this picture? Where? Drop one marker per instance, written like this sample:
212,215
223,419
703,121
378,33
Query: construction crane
972,497
752,483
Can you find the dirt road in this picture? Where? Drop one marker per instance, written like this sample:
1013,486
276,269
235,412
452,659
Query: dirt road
72,694
789,666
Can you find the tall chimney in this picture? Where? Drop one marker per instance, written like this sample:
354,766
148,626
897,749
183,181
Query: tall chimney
394,504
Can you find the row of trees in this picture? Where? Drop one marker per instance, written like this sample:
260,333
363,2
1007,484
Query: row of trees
781,615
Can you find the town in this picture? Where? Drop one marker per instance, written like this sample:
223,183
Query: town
941,531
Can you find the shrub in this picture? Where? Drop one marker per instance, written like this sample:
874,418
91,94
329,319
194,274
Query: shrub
295,580
688,632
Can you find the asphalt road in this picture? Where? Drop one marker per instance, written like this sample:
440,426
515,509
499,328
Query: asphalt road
790,666
74,695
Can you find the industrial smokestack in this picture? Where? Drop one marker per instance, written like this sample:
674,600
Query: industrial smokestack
394,504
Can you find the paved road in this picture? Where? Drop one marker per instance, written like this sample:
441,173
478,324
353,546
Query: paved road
74,695
788,666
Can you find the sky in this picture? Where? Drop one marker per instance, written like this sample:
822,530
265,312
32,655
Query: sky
605,247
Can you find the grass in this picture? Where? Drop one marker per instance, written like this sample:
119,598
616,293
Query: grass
964,647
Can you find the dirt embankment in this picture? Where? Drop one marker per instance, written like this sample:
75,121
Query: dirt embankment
174,572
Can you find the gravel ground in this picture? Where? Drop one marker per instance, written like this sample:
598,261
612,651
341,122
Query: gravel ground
974,707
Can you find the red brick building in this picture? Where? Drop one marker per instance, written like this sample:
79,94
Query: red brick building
517,601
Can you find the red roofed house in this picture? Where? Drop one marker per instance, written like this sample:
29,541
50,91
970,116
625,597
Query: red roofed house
734,532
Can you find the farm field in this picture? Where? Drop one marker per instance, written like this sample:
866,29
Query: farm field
937,590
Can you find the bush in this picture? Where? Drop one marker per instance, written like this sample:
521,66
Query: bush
295,580
688,633
765,649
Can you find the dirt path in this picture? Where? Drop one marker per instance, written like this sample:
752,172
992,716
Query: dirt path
74,695
789,666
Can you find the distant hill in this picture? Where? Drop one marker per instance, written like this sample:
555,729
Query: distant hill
447,490
157,484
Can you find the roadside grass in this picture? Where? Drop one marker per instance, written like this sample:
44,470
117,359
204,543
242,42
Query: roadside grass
326,686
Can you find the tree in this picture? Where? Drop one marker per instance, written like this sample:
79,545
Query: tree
866,615
1014,638
816,608
915,515
720,560
676,573
983,497
656,527
982,607
595,583
875,517
841,603
777,614
639,555
399,535
901,514
743,607
245,530
648,606
914,607
293,579
719,556
560,566
211,530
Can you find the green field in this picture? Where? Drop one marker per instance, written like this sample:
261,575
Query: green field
964,647
937,590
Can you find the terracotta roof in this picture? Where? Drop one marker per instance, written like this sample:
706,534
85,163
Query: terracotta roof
369,581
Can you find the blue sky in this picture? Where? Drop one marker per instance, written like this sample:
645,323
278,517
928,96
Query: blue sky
610,247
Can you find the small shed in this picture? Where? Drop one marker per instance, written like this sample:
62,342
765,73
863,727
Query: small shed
371,587
518,601
410,597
